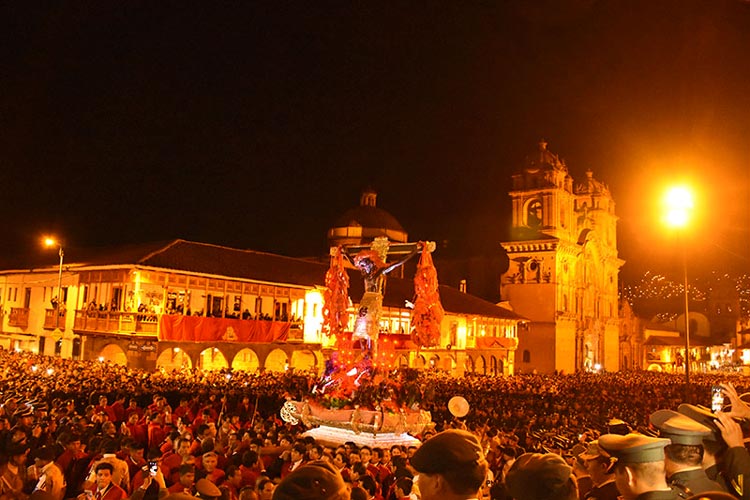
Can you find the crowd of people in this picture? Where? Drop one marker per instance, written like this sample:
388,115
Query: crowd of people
89,430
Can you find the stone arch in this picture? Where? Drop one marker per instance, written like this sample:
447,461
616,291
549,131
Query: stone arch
434,361
212,359
481,365
469,364
402,361
246,360
114,354
304,360
500,366
654,367
419,361
174,359
276,361
533,212
493,365
447,363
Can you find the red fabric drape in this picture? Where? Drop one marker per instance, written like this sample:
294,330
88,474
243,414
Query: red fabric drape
181,328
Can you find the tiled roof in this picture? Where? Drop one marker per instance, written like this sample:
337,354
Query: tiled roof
203,258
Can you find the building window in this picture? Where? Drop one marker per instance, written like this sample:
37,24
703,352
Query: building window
534,213
526,356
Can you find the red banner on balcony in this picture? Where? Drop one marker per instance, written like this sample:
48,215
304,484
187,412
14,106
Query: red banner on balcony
179,328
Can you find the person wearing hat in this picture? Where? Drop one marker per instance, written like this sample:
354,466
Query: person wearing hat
13,473
596,462
617,426
206,489
451,466
714,446
536,476
638,464
684,456
317,480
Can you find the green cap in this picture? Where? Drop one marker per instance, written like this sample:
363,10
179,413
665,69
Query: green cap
679,428
633,448
703,416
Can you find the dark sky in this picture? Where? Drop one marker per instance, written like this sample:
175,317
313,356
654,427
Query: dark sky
254,124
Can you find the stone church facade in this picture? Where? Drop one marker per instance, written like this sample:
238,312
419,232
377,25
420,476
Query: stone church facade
563,271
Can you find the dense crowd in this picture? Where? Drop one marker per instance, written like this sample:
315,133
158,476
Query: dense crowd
219,433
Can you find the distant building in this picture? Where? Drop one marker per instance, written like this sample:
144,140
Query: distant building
563,272
182,304
362,224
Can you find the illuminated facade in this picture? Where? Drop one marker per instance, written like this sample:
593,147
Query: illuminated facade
563,270
183,304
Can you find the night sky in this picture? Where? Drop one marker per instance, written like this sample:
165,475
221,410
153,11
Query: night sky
255,124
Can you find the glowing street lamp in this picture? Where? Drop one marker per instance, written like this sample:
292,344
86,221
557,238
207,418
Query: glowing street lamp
52,242
679,205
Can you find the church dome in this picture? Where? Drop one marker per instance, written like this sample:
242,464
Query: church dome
360,225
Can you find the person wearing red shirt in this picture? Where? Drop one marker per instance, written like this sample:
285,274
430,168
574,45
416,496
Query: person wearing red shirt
172,460
187,480
250,469
156,432
133,408
183,411
118,408
104,407
104,488
232,482
136,429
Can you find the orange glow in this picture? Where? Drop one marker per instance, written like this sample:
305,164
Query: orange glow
679,204
50,241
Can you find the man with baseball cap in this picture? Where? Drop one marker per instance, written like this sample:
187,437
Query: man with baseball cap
638,464
451,466
684,456
596,461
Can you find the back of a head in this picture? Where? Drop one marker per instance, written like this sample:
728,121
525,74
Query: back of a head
536,476
316,480
457,456
358,493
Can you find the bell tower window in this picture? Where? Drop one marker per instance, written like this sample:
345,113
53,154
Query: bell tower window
534,213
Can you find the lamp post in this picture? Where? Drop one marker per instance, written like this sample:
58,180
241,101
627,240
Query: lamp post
679,203
51,242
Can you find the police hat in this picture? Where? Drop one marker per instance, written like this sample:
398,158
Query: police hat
317,480
633,448
534,476
206,488
593,452
703,416
678,428
448,450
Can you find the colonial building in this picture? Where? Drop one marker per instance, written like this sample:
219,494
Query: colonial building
185,304
563,270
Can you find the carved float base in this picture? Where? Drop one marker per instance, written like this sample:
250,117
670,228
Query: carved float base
334,436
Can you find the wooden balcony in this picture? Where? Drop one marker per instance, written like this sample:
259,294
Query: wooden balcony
50,322
116,322
19,317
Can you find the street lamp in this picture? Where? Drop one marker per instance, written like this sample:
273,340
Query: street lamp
52,242
679,205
